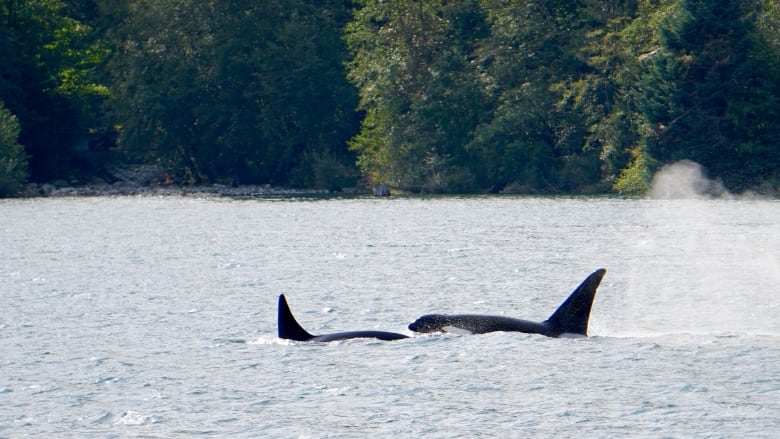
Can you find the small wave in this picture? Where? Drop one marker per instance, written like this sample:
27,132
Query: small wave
688,334
131,417
266,340
108,379
101,418
236,340
231,265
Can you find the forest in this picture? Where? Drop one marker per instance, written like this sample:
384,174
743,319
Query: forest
425,96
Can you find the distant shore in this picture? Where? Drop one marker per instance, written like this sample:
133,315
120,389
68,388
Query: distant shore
152,181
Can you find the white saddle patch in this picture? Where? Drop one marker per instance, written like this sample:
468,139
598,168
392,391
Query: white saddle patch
456,330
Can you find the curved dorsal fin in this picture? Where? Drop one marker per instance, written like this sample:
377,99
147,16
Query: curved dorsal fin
573,314
288,327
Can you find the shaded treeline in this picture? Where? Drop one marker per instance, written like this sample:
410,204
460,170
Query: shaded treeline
423,95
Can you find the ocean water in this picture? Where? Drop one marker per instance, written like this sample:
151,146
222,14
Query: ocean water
156,317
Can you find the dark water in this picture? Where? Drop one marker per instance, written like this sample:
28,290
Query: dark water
145,317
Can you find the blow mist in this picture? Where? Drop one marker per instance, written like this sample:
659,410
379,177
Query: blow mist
707,260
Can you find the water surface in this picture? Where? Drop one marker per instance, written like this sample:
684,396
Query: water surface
156,317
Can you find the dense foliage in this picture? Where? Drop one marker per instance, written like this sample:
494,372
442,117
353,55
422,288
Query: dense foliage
423,95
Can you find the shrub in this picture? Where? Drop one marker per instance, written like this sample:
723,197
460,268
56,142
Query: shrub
635,179
13,159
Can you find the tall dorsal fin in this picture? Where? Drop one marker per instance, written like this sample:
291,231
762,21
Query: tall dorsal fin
288,327
573,314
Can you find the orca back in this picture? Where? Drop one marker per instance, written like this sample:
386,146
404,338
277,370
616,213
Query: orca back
573,314
288,327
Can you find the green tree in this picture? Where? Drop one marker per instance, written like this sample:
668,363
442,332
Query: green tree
712,95
253,92
617,43
421,91
13,160
50,66
292,123
160,78
472,94
530,140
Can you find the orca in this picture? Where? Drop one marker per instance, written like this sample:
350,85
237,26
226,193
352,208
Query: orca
570,319
290,329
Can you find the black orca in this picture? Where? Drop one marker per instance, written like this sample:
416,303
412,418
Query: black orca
290,329
571,318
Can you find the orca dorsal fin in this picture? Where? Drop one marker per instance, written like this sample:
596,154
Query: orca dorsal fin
288,327
573,314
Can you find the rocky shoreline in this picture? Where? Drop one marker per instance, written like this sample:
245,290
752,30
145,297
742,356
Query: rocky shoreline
154,182
33,190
